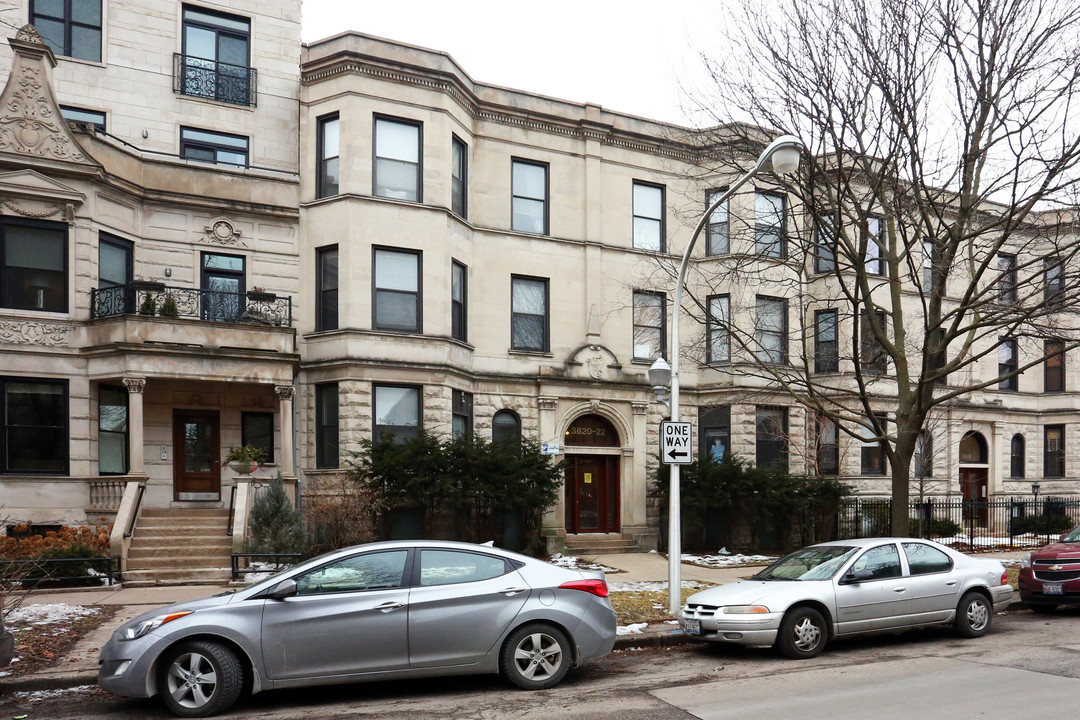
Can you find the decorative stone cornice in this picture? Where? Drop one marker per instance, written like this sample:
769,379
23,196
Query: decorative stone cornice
17,332
639,407
547,403
30,119
222,231
349,63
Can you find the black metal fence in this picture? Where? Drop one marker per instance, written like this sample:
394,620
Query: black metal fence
152,298
277,562
1005,522
60,572
235,84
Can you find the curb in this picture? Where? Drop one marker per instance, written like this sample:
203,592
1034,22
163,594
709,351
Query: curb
39,682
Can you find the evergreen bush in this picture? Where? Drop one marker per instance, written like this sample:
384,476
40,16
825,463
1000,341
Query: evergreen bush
274,525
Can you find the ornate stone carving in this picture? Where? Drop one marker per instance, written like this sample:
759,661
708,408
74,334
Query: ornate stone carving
548,403
285,392
135,385
34,333
640,407
30,34
222,232
30,121
47,210
593,361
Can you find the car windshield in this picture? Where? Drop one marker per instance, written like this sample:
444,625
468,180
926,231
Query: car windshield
813,563
1074,536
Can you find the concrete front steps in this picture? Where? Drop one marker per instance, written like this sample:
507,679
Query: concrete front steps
180,546
600,544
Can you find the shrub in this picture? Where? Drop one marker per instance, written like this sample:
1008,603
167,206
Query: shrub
338,514
67,543
1041,524
934,527
274,525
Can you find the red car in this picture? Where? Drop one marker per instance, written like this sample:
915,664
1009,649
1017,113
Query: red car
1050,576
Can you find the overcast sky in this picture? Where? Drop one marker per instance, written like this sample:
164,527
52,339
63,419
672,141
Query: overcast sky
625,55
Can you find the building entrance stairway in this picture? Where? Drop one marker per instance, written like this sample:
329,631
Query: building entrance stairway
180,546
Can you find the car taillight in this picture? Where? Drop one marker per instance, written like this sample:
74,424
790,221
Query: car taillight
1005,577
595,587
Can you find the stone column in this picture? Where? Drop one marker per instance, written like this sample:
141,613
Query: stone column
285,395
553,524
636,489
136,435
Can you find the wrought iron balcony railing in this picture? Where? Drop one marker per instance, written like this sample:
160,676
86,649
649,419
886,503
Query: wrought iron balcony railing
214,80
151,298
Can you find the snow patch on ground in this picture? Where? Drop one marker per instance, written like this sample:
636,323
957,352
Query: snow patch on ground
724,559
573,563
46,614
33,695
659,586
631,629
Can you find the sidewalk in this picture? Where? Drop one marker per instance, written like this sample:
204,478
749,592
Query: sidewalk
79,665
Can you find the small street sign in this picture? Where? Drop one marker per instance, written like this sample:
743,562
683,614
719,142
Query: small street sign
675,442
550,449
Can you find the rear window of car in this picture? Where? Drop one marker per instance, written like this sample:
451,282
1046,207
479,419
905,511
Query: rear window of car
444,567
923,559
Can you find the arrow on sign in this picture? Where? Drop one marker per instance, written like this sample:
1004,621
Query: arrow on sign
674,455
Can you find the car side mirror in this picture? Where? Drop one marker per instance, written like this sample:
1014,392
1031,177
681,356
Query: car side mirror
284,589
858,576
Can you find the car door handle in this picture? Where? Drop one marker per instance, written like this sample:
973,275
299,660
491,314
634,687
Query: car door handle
512,591
950,583
899,589
387,607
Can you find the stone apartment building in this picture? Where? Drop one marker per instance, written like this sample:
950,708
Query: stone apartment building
242,240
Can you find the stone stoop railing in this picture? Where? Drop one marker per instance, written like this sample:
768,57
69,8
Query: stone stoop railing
126,517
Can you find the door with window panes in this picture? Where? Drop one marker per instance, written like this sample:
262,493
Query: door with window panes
223,287
196,463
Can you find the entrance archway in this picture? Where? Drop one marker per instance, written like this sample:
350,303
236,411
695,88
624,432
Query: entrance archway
592,475
974,474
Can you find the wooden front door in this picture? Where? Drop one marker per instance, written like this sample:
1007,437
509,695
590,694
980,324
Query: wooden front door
592,493
196,455
973,483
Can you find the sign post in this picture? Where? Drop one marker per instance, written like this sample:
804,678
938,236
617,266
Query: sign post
675,442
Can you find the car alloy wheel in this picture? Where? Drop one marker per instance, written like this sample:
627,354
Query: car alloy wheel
973,615
200,679
534,656
802,633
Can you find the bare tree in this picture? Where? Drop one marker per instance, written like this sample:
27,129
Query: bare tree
933,220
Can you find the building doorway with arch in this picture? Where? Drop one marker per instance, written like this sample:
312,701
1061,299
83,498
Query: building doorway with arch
593,451
974,474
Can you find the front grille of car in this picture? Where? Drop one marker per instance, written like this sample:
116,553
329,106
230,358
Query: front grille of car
1056,561
1057,575
701,611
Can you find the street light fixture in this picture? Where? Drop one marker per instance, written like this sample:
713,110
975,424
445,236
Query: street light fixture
781,157
1035,492
660,379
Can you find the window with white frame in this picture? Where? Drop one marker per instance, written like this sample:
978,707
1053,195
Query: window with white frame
648,217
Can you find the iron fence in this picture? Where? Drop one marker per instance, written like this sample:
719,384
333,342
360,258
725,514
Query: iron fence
61,572
213,80
279,561
152,298
1004,522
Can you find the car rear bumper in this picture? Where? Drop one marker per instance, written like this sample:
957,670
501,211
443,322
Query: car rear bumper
7,647
751,630
1002,596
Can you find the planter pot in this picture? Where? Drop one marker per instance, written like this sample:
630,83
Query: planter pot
243,467
257,296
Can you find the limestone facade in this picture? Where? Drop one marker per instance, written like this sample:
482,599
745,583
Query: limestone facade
379,176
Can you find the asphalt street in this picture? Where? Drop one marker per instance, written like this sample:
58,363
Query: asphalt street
1026,661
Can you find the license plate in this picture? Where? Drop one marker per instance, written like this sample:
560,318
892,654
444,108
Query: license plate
1052,589
691,627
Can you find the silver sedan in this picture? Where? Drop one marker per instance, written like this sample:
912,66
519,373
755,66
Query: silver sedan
372,612
851,587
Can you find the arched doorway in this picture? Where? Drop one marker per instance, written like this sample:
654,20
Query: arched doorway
974,471
592,475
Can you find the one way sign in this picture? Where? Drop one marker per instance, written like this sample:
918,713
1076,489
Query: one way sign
675,442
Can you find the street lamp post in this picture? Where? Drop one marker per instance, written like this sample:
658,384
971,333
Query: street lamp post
781,156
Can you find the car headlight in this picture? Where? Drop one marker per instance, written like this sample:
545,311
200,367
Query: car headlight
150,624
745,609
1025,562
